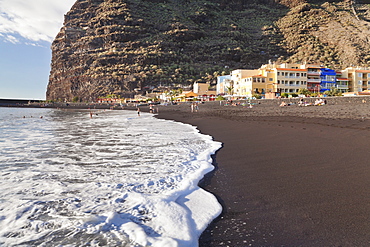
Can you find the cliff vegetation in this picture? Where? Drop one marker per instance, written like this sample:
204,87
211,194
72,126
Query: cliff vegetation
117,46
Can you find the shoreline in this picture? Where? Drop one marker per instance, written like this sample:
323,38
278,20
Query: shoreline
286,176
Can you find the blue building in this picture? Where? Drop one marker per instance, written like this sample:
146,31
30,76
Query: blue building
328,79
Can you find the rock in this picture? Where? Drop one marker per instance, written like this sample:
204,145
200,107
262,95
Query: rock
113,47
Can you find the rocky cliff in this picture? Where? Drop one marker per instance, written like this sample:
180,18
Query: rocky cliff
114,46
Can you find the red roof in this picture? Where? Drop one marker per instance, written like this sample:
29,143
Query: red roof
363,71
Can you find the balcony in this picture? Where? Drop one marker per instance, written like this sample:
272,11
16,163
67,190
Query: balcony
290,85
342,79
342,86
313,73
313,80
291,76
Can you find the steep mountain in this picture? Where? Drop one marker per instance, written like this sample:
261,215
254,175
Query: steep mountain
114,46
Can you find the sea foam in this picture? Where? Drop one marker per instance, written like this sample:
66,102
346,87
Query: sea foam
117,179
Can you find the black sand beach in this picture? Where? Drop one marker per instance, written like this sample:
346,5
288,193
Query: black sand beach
287,176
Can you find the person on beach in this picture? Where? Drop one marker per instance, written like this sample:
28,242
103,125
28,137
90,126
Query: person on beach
283,103
320,102
192,107
301,102
138,111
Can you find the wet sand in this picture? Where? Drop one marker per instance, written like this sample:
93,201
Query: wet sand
287,176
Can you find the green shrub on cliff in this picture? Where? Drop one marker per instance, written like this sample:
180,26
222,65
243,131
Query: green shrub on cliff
118,46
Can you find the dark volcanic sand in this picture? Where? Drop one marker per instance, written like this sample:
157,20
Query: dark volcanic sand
291,176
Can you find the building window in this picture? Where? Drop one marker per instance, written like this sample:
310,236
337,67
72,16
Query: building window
330,78
271,79
278,81
278,73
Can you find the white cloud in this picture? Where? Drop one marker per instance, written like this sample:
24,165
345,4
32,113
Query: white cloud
11,39
34,20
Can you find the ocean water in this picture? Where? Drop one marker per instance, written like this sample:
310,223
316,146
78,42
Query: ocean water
116,179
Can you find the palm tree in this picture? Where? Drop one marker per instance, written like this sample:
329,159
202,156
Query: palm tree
230,90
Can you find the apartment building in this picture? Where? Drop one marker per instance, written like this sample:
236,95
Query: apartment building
224,85
313,78
342,83
328,79
255,84
290,78
285,78
358,79
242,86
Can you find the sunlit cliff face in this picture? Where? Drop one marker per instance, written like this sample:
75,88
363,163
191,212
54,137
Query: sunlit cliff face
109,47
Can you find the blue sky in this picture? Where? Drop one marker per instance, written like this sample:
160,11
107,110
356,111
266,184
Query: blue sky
27,28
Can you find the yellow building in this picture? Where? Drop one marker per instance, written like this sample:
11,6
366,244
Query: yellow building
242,87
270,78
358,79
285,78
290,78
256,84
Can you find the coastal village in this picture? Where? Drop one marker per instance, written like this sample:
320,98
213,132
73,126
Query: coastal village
270,81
